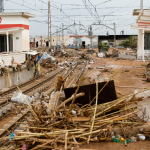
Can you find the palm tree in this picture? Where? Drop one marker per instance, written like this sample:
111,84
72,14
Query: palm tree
103,46
106,47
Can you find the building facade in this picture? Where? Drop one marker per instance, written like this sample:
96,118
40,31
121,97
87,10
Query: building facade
42,41
143,27
81,42
14,37
110,38
14,31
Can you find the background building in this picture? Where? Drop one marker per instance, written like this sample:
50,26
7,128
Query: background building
82,42
43,40
110,38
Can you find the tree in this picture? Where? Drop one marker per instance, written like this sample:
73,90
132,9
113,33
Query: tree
103,46
130,42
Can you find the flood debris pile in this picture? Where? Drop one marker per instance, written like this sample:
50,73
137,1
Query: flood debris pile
48,61
67,125
61,53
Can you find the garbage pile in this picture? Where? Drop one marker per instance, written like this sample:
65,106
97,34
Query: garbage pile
68,125
47,60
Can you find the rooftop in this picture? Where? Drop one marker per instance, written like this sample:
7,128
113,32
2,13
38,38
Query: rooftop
23,14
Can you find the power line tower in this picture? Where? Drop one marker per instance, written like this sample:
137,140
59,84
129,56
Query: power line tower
76,39
114,35
1,6
41,40
62,35
49,26
56,37
141,4
91,35
59,43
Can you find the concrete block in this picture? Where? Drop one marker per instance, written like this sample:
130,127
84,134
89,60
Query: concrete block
1,113
19,115
10,122
1,130
6,126
4,109
15,118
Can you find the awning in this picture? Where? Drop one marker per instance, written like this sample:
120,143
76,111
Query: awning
31,53
10,30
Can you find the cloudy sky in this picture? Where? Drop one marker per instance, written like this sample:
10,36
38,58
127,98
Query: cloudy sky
85,12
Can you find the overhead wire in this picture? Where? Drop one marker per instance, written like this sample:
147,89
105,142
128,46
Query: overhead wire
87,6
33,8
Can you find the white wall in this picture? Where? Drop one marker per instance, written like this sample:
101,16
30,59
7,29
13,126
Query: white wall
21,44
66,37
95,41
11,20
70,41
17,78
87,40
18,57
140,48
17,44
14,20
25,40
25,20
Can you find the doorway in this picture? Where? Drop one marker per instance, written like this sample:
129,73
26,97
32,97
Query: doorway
147,41
37,44
83,44
3,42
47,44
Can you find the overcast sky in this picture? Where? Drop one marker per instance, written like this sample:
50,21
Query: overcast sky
69,11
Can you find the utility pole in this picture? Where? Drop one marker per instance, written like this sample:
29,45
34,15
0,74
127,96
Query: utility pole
1,6
141,5
56,37
41,40
76,40
114,35
62,36
59,39
91,35
49,26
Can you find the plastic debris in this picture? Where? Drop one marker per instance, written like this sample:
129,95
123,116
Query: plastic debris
141,137
21,98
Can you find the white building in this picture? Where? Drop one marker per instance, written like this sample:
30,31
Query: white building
143,27
14,36
82,41
42,41
14,31
70,41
